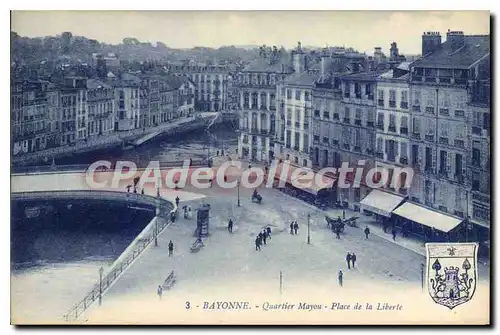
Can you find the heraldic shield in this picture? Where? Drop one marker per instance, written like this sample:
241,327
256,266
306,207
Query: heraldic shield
451,272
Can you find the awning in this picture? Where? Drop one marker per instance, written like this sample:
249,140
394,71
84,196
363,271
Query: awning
381,203
317,183
427,217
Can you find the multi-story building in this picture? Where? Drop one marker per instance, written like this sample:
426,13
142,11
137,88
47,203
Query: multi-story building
211,84
184,91
16,107
257,85
296,99
80,84
34,113
448,154
54,115
101,102
393,120
127,104
168,94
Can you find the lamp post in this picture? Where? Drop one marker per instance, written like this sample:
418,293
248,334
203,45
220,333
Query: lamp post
156,233
101,271
238,184
308,228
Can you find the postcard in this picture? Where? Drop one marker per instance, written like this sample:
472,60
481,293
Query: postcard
250,167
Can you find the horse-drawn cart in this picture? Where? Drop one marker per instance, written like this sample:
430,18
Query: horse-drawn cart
339,224
169,281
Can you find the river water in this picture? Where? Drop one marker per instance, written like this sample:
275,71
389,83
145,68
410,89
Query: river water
56,255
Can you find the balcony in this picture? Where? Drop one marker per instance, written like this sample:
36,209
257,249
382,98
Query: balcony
443,140
484,198
379,155
254,106
460,81
297,124
391,158
460,144
317,113
289,123
430,79
445,80
346,95
326,115
346,146
477,130
415,136
403,160
357,122
369,151
335,142
358,95
416,78
459,178
370,124
476,162
306,125
403,131
380,102
404,104
392,103
429,137
392,128
264,132
296,148
416,108
429,110
272,108
443,173
444,111
263,107
370,96
380,126
336,116
347,120
245,141
357,149
316,139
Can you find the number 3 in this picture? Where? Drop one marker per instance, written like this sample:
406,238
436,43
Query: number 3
188,305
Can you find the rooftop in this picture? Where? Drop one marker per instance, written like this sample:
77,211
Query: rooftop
474,48
306,78
93,84
262,65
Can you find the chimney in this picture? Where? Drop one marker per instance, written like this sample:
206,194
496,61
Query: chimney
298,59
326,62
431,40
394,52
456,38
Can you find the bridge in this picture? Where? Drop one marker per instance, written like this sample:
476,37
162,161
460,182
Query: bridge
71,184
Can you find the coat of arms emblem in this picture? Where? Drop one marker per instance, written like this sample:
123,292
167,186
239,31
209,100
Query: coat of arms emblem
451,272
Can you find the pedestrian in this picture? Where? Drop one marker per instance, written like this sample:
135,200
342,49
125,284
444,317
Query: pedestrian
268,230
296,227
385,227
159,291
170,248
367,232
291,228
337,232
177,200
343,214
266,169
264,236
341,275
230,226
217,153
353,259
142,191
257,243
394,234
348,260
222,153
210,182
249,166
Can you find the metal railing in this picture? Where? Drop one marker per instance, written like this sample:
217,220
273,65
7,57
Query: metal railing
99,288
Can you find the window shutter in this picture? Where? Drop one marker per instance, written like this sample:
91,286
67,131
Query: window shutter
420,156
449,157
396,148
386,147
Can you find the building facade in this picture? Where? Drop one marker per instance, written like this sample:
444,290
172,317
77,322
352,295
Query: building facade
127,103
101,103
257,86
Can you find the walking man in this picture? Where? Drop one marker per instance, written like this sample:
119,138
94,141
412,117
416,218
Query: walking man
291,228
159,291
230,226
268,230
367,232
177,200
257,243
337,232
264,236
348,259
341,275
170,248
394,234
353,258
296,227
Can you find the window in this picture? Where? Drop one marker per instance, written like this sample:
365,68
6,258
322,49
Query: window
416,99
358,113
380,119
288,94
404,150
392,120
297,94
307,97
380,97
392,95
416,126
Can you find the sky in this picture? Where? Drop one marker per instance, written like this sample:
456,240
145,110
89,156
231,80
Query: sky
362,30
